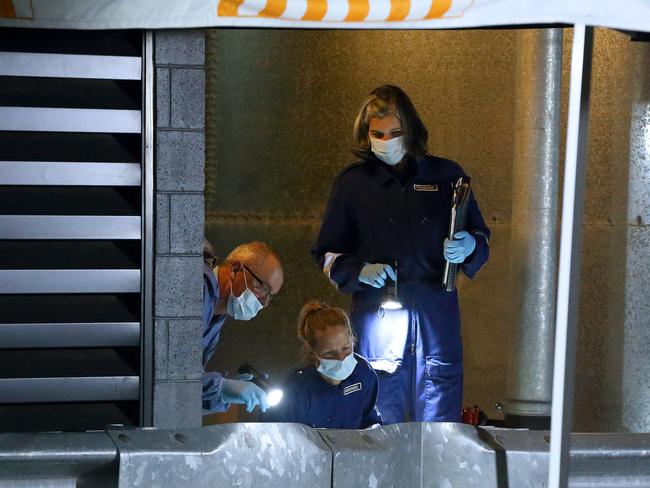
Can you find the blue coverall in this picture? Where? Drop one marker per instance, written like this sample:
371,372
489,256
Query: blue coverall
310,400
212,324
375,215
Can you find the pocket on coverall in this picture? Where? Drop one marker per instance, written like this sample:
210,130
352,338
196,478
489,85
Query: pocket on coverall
443,388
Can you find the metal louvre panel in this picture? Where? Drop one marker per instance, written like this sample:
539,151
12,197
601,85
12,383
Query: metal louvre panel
72,174
78,389
32,281
70,66
70,227
100,334
70,120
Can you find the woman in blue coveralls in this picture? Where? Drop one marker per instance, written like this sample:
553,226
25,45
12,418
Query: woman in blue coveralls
338,390
393,206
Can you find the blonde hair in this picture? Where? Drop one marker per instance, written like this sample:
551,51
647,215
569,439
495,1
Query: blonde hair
317,316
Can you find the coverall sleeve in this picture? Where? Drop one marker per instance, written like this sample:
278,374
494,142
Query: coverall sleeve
475,225
371,415
212,384
335,246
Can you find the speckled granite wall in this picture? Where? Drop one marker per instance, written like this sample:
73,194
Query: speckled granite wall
279,113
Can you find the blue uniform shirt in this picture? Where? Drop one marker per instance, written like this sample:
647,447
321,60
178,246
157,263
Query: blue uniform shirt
212,325
310,400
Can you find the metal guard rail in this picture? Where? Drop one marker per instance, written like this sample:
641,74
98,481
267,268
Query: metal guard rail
291,455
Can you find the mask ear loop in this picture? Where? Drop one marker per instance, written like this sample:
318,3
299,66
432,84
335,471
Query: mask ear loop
243,270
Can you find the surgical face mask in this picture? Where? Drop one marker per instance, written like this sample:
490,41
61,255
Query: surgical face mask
245,306
391,151
337,370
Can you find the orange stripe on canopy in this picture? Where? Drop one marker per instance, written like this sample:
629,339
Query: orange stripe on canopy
399,9
273,8
316,10
228,8
358,10
7,9
438,9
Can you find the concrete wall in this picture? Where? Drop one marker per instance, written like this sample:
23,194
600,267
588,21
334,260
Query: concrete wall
179,183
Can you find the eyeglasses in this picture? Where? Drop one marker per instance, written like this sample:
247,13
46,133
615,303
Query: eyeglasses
261,289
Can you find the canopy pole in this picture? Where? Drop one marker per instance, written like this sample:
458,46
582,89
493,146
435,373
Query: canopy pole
570,248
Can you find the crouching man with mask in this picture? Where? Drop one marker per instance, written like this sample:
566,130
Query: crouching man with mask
338,388
239,287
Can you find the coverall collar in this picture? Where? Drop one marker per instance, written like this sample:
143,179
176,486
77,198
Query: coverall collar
382,173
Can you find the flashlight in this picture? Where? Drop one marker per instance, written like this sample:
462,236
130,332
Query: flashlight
391,300
273,395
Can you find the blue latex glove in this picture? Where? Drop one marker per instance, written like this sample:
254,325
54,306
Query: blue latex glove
242,390
376,274
457,250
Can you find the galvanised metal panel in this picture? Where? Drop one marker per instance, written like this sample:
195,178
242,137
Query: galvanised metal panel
70,120
522,456
376,457
292,455
70,66
247,455
94,334
412,455
612,460
57,460
32,281
69,389
70,227
53,173
456,455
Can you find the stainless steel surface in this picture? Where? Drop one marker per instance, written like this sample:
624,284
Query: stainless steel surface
58,460
146,293
534,220
77,389
69,120
570,249
32,281
94,334
69,66
247,455
70,227
69,174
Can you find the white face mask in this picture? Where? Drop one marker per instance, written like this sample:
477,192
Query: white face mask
245,306
337,370
391,151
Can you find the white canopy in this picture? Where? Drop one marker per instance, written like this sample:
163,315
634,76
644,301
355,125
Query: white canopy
631,15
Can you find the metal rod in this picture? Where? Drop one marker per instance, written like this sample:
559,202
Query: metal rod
146,334
570,246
